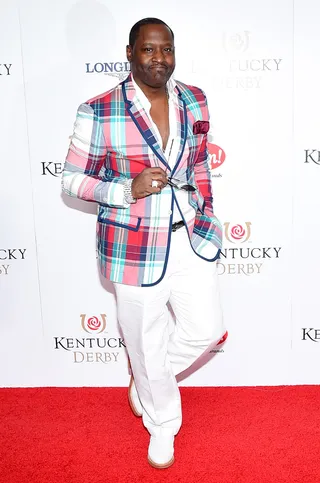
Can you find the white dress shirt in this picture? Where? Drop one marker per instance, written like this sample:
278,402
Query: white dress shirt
172,148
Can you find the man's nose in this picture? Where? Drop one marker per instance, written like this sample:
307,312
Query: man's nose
158,56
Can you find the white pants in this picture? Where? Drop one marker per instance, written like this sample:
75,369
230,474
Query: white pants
157,351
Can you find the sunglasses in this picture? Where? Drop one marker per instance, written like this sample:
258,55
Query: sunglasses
180,185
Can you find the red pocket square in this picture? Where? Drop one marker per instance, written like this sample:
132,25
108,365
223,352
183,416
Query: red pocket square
201,127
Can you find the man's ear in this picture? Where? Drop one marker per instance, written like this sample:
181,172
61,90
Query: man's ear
129,53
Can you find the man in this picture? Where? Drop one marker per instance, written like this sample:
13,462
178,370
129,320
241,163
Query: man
140,152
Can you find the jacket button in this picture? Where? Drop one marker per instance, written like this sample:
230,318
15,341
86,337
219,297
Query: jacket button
170,212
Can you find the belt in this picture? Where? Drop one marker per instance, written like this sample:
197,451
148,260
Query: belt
177,225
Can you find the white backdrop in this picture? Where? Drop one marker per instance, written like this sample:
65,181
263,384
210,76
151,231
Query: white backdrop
258,64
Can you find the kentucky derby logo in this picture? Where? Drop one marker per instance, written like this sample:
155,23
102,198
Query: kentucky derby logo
238,42
216,156
93,324
237,233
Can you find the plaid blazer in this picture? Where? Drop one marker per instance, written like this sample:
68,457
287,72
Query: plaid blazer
113,140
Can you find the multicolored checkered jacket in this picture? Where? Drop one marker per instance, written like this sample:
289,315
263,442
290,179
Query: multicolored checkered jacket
113,140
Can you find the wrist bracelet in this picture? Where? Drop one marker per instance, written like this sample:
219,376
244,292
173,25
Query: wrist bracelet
128,193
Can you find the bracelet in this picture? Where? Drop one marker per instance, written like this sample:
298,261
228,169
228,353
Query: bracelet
128,193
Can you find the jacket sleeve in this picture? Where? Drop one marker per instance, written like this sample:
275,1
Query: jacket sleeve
202,170
81,177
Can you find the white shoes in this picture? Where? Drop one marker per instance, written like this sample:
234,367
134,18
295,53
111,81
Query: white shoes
134,400
160,452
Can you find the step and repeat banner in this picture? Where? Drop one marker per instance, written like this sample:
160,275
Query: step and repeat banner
258,64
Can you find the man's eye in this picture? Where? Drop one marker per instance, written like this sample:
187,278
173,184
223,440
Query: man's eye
147,49
168,49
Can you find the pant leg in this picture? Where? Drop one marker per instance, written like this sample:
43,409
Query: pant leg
144,320
196,304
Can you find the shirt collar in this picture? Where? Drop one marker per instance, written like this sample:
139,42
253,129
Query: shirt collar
171,85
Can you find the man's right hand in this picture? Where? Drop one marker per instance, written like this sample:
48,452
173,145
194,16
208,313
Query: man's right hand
142,184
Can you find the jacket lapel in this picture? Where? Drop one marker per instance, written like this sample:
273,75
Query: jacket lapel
141,120
182,125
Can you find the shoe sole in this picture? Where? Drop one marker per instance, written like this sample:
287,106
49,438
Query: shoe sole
131,404
163,466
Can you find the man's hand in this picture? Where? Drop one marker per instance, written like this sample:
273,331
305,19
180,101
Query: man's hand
142,184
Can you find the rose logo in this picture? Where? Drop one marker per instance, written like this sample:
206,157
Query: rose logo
216,156
93,324
238,232
238,42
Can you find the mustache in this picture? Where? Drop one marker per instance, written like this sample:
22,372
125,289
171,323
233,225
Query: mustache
158,64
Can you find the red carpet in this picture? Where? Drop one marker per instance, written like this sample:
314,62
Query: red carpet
229,435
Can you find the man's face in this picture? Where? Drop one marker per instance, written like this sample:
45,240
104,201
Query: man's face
152,56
